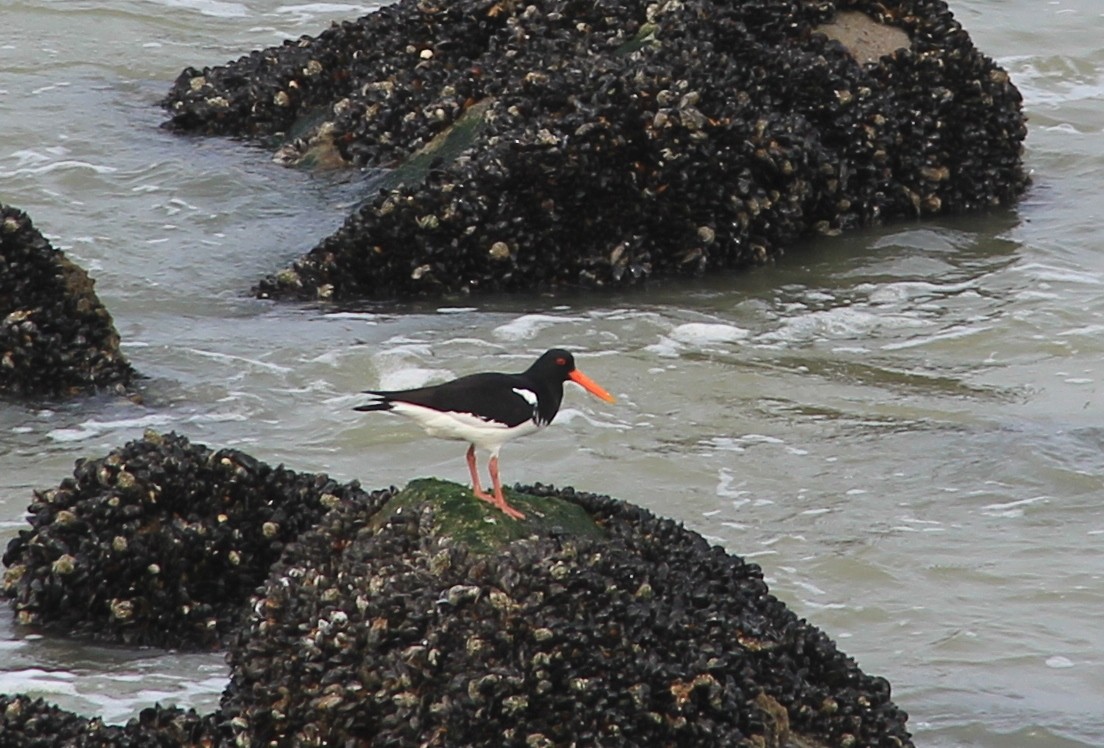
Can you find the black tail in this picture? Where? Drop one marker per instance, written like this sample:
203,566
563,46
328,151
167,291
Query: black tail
375,405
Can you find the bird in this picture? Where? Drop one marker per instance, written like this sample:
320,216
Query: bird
489,409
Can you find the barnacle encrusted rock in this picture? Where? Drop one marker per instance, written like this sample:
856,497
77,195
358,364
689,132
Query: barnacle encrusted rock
56,338
25,721
424,617
602,143
160,542
384,630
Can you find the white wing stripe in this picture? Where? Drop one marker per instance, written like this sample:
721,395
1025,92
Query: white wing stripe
527,395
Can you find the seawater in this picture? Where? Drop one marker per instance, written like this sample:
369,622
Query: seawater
902,425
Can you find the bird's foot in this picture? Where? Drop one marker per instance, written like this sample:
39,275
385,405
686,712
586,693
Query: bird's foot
509,510
500,502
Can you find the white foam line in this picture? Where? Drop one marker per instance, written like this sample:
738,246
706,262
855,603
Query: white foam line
760,439
38,681
212,8
1013,504
93,428
916,288
46,169
704,333
756,554
529,326
365,316
314,8
567,415
216,418
1043,272
949,335
824,606
809,587
241,359
920,521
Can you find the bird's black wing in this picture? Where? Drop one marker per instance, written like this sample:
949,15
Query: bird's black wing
491,396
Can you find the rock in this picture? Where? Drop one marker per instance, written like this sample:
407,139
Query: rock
865,39
33,722
477,526
56,338
160,542
423,617
640,635
549,144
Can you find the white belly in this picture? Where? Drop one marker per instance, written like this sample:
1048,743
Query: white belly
487,435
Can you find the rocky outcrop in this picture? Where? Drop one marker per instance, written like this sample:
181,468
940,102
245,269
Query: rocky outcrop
34,723
56,338
525,146
425,617
644,636
160,543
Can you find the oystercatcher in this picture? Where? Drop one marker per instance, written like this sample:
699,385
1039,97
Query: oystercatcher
487,410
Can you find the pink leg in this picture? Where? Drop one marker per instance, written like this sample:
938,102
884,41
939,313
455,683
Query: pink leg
499,498
476,488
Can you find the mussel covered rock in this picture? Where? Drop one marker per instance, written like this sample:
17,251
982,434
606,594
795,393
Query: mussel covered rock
160,542
381,629
528,146
34,723
423,617
56,338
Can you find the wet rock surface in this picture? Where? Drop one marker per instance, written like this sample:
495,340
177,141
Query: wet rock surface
531,146
56,338
160,542
428,618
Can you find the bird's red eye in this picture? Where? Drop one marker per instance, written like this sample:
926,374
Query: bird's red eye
561,361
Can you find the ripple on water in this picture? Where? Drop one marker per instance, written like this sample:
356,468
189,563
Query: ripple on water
528,326
212,8
93,428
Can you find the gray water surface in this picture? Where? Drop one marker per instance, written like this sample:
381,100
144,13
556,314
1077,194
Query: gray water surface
901,425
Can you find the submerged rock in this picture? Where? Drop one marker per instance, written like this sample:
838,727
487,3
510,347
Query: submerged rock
533,145
56,338
160,542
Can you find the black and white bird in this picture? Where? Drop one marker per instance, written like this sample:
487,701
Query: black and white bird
487,410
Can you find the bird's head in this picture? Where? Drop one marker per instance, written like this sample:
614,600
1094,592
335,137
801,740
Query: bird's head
558,365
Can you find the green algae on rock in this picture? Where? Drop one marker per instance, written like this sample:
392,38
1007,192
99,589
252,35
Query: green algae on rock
458,518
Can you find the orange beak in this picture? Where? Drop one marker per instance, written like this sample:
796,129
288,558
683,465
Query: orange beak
590,386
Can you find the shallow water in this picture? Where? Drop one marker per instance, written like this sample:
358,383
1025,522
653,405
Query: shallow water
901,425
